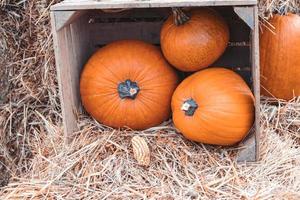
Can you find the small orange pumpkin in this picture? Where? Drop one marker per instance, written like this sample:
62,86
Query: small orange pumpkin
194,41
280,57
213,106
128,83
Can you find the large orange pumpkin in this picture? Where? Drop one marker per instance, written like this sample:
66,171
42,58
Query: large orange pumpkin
128,84
280,57
213,106
194,41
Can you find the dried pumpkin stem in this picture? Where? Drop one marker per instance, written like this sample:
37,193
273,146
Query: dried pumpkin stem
189,107
180,17
128,89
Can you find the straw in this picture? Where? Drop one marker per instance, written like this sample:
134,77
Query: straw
99,162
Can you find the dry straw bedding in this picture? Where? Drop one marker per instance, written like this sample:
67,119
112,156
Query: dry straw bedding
99,163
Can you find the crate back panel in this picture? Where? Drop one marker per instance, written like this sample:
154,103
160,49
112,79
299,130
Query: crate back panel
145,24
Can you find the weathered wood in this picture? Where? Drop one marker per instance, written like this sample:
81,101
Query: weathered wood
239,31
256,77
107,28
234,56
246,14
104,33
70,46
65,18
78,34
248,148
132,13
108,4
251,144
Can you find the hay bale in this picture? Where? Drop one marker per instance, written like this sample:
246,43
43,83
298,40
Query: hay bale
268,7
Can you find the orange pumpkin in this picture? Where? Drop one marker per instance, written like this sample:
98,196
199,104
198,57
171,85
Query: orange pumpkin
213,106
280,57
128,84
194,41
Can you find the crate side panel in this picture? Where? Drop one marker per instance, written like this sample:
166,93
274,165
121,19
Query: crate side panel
63,66
81,51
71,47
250,151
256,77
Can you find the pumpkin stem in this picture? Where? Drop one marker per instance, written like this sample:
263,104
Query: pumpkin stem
189,107
180,17
128,89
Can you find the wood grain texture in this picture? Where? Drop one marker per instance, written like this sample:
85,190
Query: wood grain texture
256,77
250,152
145,24
246,14
106,4
71,47
65,18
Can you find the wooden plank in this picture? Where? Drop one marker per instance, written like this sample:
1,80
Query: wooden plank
65,18
63,64
145,13
239,31
107,4
248,151
234,56
237,54
251,144
104,33
70,55
106,28
246,14
129,24
256,77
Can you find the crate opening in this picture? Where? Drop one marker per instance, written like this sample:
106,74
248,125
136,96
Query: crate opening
107,26
79,33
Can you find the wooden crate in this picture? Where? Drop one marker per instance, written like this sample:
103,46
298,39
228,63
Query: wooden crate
82,26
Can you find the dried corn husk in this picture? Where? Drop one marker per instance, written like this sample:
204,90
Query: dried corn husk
141,150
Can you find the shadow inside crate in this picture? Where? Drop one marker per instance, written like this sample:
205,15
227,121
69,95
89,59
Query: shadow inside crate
145,24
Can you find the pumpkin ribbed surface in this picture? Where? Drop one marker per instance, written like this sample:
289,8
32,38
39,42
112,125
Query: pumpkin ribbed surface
213,106
198,42
280,57
128,84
